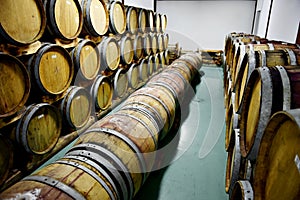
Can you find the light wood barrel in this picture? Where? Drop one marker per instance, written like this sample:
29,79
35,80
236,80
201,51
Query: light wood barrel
131,19
64,18
6,158
163,102
150,61
76,107
117,17
160,41
119,150
242,191
142,18
154,43
39,128
268,58
150,21
133,76
157,22
146,44
126,49
276,174
102,92
165,40
243,49
95,15
51,80
138,47
109,53
269,90
157,65
120,83
164,22
232,123
143,70
15,85
15,17
167,56
86,60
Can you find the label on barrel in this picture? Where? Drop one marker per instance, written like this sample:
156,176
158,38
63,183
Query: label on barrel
297,162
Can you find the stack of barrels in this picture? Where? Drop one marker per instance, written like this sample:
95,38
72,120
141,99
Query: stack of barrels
261,91
114,156
62,63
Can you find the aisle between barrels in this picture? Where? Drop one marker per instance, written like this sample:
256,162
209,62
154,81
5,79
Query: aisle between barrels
197,169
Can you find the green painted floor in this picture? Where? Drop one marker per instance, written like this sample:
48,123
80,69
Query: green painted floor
198,169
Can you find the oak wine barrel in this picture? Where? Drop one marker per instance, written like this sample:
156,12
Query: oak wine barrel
268,90
150,61
167,56
102,92
6,158
117,17
276,174
142,20
164,22
95,17
268,58
120,83
143,70
146,44
157,65
154,43
160,41
133,76
126,49
109,53
131,19
39,128
76,107
52,80
157,22
242,191
165,40
138,47
15,16
86,60
150,20
15,85
64,18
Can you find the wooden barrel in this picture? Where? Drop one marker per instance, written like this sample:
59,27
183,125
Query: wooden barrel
242,191
184,68
232,123
6,158
15,17
165,40
39,128
63,179
117,17
138,47
157,22
276,174
150,61
131,19
167,56
86,60
150,20
194,58
133,76
157,65
120,83
268,90
95,16
15,85
243,49
164,22
142,18
102,92
119,151
154,43
268,58
143,70
109,53
160,41
162,102
126,49
64,18
76,107
146,44
51,80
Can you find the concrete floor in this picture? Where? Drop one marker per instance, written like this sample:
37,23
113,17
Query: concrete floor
197,170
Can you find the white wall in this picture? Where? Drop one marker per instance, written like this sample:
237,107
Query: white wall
284,20
148,4
204,24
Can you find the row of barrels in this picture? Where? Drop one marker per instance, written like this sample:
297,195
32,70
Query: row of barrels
114,156
261,101
24,22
